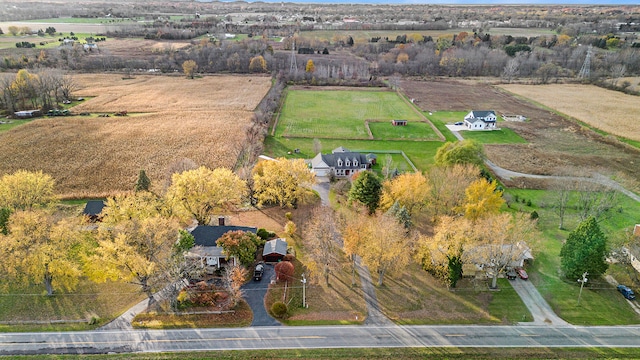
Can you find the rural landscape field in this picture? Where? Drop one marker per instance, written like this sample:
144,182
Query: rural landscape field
168,119
516,230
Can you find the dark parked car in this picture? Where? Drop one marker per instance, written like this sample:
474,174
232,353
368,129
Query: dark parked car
511,275
626,292
522,274
459,123
257,273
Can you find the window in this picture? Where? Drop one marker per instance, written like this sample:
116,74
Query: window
339,162
355,163
348,163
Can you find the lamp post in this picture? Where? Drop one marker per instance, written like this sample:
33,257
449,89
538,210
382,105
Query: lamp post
582,281
304,294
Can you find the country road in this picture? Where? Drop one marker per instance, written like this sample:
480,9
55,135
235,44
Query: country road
127,341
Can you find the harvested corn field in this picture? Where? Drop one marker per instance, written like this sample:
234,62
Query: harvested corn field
607,110
201,119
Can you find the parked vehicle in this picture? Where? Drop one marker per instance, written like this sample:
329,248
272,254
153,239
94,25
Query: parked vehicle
257,273
521,273
511,275
459,123
626,292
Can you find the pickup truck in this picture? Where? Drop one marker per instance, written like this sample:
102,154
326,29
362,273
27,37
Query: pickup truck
257,273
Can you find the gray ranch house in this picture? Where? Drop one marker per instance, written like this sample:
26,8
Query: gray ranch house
341,162
206,249
481,120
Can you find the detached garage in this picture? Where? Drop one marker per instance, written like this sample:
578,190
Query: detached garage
274,250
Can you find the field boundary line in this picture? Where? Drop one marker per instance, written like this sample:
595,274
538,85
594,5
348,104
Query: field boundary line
285,93
366,126
426,119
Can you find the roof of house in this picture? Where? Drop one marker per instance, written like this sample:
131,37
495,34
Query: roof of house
482,113
206,235
206,251
340,149
275,246
93,207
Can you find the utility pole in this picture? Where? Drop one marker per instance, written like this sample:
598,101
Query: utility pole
304,293
582,281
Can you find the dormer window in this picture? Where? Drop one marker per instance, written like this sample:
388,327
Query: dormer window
348,163
339,162
355,163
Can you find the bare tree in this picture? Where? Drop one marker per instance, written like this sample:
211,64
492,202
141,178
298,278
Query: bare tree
322,240
511,70
561,196
595,200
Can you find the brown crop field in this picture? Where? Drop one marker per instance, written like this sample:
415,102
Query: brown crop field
610,111
201,119
555,145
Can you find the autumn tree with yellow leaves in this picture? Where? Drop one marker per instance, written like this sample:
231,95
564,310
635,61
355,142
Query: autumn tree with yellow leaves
25,190
410,190
137,250
40,248
482,198
202,192
258,64
189,67
282,182
322,242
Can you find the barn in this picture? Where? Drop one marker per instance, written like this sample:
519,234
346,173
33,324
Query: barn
274,250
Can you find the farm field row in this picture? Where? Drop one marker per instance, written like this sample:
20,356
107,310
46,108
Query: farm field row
96,157
609,111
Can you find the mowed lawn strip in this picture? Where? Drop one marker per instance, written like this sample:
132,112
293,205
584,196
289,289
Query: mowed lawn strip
338,113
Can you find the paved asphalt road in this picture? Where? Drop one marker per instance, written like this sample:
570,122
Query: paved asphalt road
254,292
118,341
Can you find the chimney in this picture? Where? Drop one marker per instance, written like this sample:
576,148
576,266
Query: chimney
220,220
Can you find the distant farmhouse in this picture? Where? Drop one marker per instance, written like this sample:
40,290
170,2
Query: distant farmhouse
341,162
481,120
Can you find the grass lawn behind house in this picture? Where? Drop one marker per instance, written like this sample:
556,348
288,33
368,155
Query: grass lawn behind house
414,130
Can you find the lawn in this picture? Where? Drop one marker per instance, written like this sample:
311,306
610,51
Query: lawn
28,303
501,136
426,301
414,130
7,125
600,302
339,114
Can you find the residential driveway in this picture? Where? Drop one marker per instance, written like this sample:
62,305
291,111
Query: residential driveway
254,292
537,305
322,187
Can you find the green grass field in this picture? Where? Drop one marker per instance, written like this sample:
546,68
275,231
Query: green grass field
9,42
502,136
338,114
600,303
7,124
414,130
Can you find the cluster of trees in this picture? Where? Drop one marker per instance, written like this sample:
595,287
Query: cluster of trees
137,240
42,90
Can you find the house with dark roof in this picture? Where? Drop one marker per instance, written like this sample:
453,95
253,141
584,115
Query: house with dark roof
341,162
481,120
274,250
93,210
206,249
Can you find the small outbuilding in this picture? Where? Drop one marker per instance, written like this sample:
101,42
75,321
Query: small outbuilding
274,250
25,114
93,210
399,122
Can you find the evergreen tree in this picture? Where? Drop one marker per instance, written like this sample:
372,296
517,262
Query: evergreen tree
366,189
584,250
143,183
